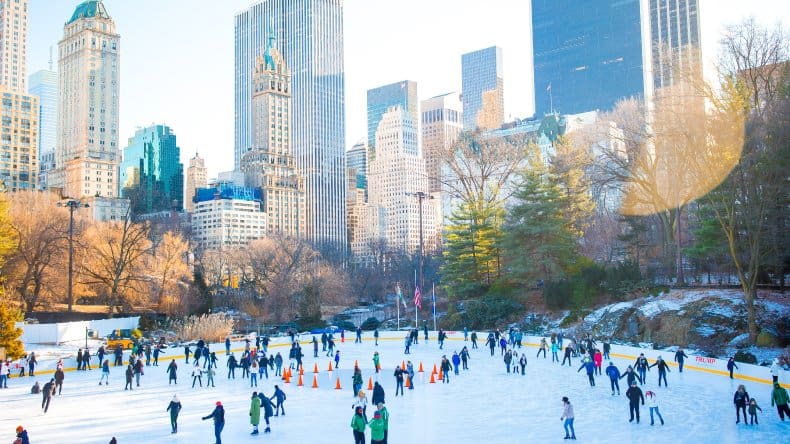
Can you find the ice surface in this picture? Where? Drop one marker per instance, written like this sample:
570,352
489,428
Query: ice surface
482,405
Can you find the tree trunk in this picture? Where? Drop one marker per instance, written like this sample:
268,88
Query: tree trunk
678,250
752,323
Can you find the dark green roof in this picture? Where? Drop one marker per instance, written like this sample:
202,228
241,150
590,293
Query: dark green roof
88,9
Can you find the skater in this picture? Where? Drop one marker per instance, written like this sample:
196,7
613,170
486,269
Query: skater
315,347
680,356
171,372
79,359
227,345
567,416
589,365
441,337
780,398
268,411
278,362
210,372
361,402
118,356
456,362
47,391
740,399
502,345
398,380
753,407
187,351
129,375
598,360
36,389
255,412
775,371
218,415
554,349
337,359
231,366
21,436
508,358
606,349
663,368
652,405
138,371
376,362
446,369
59,376
206,355
278,396
523,362
642,368
324,340
542,348
86,360
213,362
31,363
425,330
356,381
465,358
174,407
105,372
630,376
358,339
407,344
634,395
197,375
410,374
100,354
614,377
157,350
378,393
263,367
376,429
491,343
567,355
254,372
147,354
358,424
473,337
730,367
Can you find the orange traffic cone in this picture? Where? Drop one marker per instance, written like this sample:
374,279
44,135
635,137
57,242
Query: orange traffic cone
330,366
301,371
403,365
433,381
287,378
421,366
315,381
408,382
315,370
300,383
337,385
370,383
441,375
434,370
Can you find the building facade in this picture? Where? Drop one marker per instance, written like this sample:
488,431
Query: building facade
44,84
442,123
152,176
270,165
672,43
310,36
88,155
13,44
357,165
381,99
197,177
227,216
18,140
483,89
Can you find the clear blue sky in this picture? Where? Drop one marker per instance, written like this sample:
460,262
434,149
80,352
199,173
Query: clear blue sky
177,56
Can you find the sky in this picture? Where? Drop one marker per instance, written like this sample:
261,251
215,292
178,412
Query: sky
177,56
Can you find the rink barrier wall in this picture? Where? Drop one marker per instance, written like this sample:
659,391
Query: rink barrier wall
718,367
58,333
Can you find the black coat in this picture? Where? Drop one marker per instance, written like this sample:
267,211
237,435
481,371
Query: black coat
634,394
740,399
378,394
218,415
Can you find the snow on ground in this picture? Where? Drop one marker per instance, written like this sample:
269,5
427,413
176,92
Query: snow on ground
483,404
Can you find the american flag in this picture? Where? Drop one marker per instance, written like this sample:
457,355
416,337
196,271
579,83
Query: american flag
548,87
417,297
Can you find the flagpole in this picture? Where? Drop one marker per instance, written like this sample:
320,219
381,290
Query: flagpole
397,304
433,297
416,325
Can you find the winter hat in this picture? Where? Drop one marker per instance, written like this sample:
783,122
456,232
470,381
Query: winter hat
19,429
377,415
175,398
218,403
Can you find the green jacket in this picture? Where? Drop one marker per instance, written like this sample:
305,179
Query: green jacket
779,396
385,416
358,423
255,411
357,379
376,360
376,429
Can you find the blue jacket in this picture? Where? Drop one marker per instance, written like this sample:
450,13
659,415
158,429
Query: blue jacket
589,365
612,372
456,360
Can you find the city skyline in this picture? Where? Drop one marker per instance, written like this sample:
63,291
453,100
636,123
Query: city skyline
149,96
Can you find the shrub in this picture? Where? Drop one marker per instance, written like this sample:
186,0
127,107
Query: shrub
745,357
765,339
487,312
307,324
210,327
370,323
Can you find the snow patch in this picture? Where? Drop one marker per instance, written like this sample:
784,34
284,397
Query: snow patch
705,330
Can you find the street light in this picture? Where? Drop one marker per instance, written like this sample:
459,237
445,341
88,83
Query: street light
421,196
72,205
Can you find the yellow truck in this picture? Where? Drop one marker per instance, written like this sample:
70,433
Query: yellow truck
122,337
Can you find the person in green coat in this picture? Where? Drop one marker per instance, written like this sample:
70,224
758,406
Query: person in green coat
780,398
376,362
255,413
174,407
376,429
385,416
358,426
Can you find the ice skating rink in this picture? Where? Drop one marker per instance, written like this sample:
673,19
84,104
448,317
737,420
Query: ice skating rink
481,405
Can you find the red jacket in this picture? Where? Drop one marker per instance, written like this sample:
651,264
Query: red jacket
597,358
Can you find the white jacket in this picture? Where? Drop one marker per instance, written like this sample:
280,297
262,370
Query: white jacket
651,401
567,411
775,369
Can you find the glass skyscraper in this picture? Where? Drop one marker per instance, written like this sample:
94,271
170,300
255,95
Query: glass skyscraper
309,34
587,55
152,175
44,84
403,94
482,89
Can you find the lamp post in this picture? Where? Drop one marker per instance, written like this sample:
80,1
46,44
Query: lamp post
72,205
420,197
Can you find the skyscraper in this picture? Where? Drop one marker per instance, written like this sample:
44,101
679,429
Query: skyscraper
442,123
310,39
88,155
270,165
197,177
44,84
482,89
381,99
13,44
673,39
357,164
152,176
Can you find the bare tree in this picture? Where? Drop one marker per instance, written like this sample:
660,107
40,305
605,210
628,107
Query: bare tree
169,272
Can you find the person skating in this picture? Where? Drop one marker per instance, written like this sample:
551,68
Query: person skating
358,424
255,412
118,356
542,349
398,380
456,362
491,343
663,368
315,347
753,407
425,330
227,345
473,337
507,359
206,355
642,367
446,369
588,365
174,408
268,410
279,397
138,371
278,362
680,357
376,429
376,362
598,360
157,351
465,358
523,363
630,376
187,351
502,345
324,341
31,363
47,392
105,372
79,359
21,436
361,401
567,356
652,405
614,377
376,337
172,373
730,367
606,349
740,399
780,398
197,375
567,417
555,348
358,339
407,345
634,395
378,393
410,373
218,415
775,367
356,381
129,376
254,370
36,389
59,376
385,416
337,359
231,364
210,372
441,336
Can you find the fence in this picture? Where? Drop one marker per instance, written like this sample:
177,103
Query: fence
61,332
